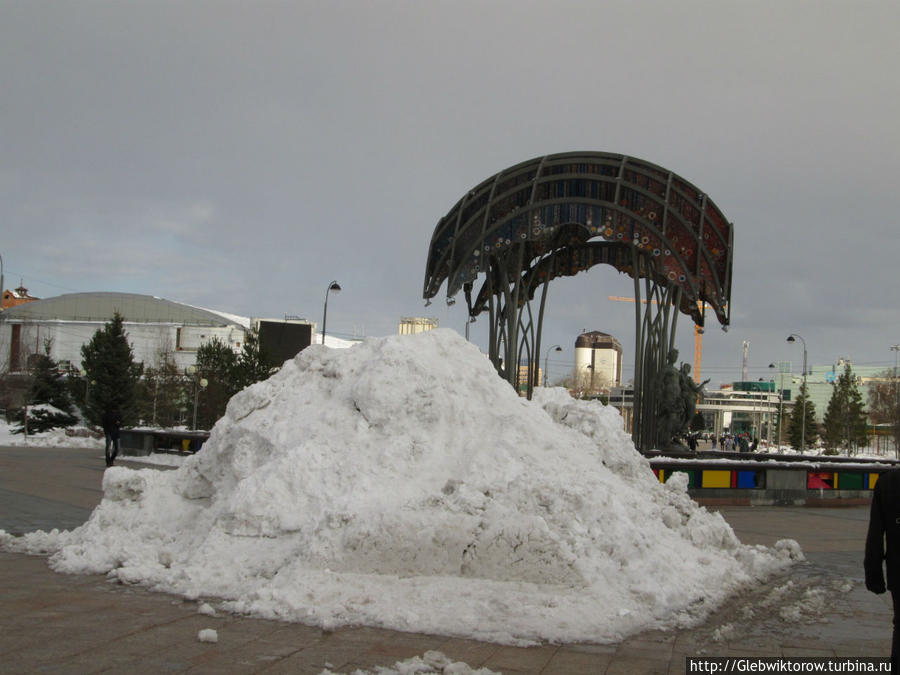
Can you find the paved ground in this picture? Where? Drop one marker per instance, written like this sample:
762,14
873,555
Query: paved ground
84,624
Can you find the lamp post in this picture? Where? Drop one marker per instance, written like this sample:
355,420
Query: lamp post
782,365
199,383
791,338
554,348
758,409
87,388
896,416
896,350
333,286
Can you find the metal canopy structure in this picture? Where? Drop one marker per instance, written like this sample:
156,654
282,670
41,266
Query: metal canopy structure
561,214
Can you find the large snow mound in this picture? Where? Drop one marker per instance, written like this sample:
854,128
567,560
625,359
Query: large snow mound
401,483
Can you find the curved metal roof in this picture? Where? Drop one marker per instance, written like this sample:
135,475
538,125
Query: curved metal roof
101,307
578,209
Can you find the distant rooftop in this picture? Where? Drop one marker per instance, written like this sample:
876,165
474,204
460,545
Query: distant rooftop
16,297
133,308
596,339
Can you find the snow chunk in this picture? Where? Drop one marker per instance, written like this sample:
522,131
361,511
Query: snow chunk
791,548
208,635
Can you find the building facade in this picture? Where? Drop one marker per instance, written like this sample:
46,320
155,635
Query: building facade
410,325
154,327
598,362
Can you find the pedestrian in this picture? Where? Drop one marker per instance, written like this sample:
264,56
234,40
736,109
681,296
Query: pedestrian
884,528
111,423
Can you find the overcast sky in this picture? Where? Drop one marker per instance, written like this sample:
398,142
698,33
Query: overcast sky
241,155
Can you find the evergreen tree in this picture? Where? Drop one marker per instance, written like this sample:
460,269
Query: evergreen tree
254,364
112,372
845,417
803,409
781,434
217,364
48,402
226,373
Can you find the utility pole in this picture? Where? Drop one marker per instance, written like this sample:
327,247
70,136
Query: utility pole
746,353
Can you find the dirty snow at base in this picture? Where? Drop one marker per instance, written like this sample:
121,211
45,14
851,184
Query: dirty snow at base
400,483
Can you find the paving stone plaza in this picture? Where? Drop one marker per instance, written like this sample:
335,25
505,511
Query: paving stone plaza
84,624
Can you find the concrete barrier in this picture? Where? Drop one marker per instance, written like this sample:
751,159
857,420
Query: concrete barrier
788,482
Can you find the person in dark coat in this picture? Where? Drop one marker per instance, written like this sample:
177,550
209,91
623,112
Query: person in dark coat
883,547
111,424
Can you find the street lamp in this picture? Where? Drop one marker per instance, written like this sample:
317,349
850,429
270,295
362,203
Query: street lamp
199,383
782,365
896,350
87,387
554,348
333,286
790,338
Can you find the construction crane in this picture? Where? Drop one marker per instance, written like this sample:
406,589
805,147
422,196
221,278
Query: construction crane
698,333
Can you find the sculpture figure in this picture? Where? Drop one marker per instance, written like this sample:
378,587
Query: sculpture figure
671,401
690,391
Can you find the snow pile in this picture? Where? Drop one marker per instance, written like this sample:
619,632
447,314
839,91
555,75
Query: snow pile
401,483
72,437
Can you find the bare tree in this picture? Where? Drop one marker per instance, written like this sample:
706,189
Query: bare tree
15,376
884,404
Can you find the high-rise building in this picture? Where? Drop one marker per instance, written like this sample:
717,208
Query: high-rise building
598,362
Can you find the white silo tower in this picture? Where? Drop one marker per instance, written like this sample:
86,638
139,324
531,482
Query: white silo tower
598,361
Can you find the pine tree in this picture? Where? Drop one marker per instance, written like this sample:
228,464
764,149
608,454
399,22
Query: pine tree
845,418
226,374
803,408
253,363
112,372
217,364
857,418
49,405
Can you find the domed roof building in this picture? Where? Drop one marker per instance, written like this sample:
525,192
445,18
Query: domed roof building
155,326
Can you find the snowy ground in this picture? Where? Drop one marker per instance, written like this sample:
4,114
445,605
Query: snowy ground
56,438
400,483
